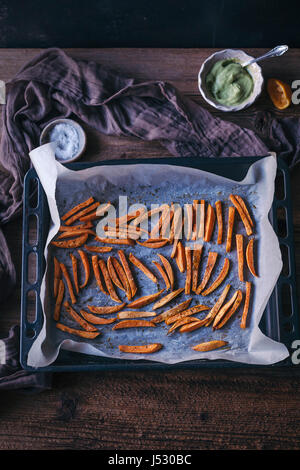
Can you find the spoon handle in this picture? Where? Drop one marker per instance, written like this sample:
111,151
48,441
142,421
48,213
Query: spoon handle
277,51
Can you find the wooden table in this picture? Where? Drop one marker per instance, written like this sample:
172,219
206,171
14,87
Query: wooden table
175,410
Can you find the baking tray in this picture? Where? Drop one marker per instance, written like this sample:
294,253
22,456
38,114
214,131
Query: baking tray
280,319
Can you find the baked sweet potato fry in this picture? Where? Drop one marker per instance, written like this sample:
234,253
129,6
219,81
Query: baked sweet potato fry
59,300
133,324
96,320
56,275
165,209
98,249
211,261
108,281
131,281
250,257
223,310
134,314
242,214
97,275
154,243
244,208
181,322
223,273
210,223
195,325
168,268
66,228
167,298
231,216
219,221
186,313
113,275
122,276
231,311
188,279
75,272
196,218
116,241
246,305
82,213
215,309
189,219
180,257
77,208
145,300
81,333
140,265
106,310
197,252
75,233
202,219
172,311
68,281
75,243
163,274
86,266
240,255
210,345
144,349
81,321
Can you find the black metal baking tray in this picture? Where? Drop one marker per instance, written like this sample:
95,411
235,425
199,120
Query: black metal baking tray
280,320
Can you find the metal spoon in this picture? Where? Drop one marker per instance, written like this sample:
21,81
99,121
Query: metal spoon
277,51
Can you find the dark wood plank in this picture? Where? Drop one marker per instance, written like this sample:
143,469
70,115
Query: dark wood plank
205,409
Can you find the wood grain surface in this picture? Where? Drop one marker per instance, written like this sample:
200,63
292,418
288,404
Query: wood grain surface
175,410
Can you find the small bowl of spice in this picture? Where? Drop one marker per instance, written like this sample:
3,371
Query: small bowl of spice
69,139
225,84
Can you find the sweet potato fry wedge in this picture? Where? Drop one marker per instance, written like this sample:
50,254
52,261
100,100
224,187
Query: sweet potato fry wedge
122,276
244,208
210,223
75,243
196,218
211,261
167,223
96,320
250,257
186,313
231,311
81,321
222,312
66,228
246,305
220,222
176,230
215,309
144,349
73,331
97,275
167,298
86,266
138,263
163,274
168,268
77,208
172,311
131,281
82,213
210,345
98,249
68,281
188,279
192,326
108,281
106,310
180,257
189,219
75,233
202,219
124,315
75,272
154,244
116,241
124,219
242,214
57,276
240,255
223,273
165,209
133,324
59,299
113,275
181,322
145,300
231,216
197,252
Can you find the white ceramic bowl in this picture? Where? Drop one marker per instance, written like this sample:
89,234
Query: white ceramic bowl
44,137
241,56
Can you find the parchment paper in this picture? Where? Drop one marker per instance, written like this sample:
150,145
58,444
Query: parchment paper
150,184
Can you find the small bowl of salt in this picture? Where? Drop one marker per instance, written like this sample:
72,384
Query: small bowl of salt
69,139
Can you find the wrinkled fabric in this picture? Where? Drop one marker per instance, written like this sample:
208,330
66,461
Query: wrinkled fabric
53,85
